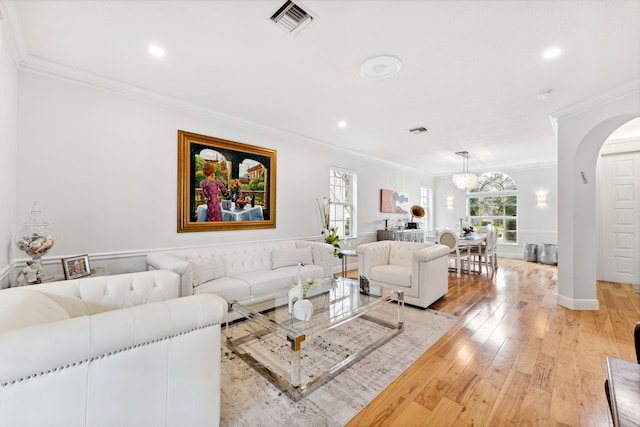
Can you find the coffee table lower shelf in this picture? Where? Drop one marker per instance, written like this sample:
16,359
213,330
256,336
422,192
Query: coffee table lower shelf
284,368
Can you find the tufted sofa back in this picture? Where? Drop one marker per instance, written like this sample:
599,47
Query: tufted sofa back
251,257
401,253
93,295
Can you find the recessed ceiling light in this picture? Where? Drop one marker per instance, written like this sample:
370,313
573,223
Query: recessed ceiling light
342,124
380,67
552,53
156,51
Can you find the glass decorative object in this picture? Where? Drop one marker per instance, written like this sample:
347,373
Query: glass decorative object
36,239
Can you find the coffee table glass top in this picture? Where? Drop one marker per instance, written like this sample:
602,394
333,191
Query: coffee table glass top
334,300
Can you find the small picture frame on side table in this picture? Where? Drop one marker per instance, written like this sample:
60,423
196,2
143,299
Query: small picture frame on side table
77,266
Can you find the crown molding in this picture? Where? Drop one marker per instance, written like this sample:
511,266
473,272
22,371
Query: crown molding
597,101
10,22
44,67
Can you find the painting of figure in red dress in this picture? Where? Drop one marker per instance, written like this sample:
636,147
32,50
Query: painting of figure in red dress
227,190
224,185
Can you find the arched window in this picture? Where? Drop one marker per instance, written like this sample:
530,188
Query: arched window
495,201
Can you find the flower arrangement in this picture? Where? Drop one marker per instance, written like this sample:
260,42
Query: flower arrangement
306,285
330,233
324,213
466,226
234,184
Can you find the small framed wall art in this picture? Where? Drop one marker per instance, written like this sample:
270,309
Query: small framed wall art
77,266
392,201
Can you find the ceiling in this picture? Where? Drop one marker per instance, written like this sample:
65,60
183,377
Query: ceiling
471,70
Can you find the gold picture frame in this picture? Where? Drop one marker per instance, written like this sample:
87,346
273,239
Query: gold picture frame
237,192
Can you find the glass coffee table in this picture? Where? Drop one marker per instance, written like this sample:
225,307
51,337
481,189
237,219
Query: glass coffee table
299,356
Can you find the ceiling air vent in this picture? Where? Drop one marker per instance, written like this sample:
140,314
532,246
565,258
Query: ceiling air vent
291,17
419,130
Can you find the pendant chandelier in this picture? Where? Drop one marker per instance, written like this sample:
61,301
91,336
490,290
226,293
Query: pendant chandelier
465,180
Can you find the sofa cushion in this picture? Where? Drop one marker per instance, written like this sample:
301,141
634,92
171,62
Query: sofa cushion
23,307
207,268
265,280
225,287
307,271
395,275
286,257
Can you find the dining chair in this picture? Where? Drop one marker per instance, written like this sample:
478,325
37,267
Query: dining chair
457,253
494,250
486,252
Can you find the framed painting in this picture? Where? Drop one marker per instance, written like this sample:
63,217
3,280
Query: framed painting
224,185
77,266
394,202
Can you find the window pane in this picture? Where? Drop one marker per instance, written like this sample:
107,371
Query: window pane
341,194
511,210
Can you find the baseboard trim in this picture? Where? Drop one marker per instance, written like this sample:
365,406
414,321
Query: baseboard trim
578,304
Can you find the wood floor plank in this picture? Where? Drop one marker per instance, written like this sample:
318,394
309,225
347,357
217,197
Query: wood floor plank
515,357
506,409
413,415
535,407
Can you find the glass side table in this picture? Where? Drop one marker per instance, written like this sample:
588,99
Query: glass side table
346,253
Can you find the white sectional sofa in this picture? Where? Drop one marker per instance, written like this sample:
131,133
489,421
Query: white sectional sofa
240,270
418,269
118,350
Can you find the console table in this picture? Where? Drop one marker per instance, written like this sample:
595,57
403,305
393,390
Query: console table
403,235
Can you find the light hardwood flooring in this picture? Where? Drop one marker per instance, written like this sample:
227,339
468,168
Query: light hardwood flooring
514,358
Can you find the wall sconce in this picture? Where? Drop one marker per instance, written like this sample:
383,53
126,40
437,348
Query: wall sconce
449,202
542,198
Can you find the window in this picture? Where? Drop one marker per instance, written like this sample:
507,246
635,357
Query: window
342,194
495,201
426,201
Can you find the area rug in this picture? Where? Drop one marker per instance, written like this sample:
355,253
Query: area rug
247,399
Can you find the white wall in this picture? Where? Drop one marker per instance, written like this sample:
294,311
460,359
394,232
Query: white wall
8,144
105,174
536,223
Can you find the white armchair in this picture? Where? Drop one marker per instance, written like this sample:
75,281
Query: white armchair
418,269
117,350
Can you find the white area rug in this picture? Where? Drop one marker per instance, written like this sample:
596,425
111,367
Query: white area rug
250,400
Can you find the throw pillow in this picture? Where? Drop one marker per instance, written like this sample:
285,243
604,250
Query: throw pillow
288,257
207,269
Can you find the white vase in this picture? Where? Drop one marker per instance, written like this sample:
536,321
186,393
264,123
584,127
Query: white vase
302,309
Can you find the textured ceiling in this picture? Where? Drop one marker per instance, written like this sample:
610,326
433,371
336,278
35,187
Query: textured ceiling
471,70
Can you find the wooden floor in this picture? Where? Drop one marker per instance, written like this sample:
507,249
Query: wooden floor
514,358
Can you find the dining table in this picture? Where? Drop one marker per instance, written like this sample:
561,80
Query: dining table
474,240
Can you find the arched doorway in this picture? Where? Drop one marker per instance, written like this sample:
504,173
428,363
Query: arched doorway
581,131
618,206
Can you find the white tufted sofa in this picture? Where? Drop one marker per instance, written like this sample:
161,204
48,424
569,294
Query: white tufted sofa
240,270
118,350
418,269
